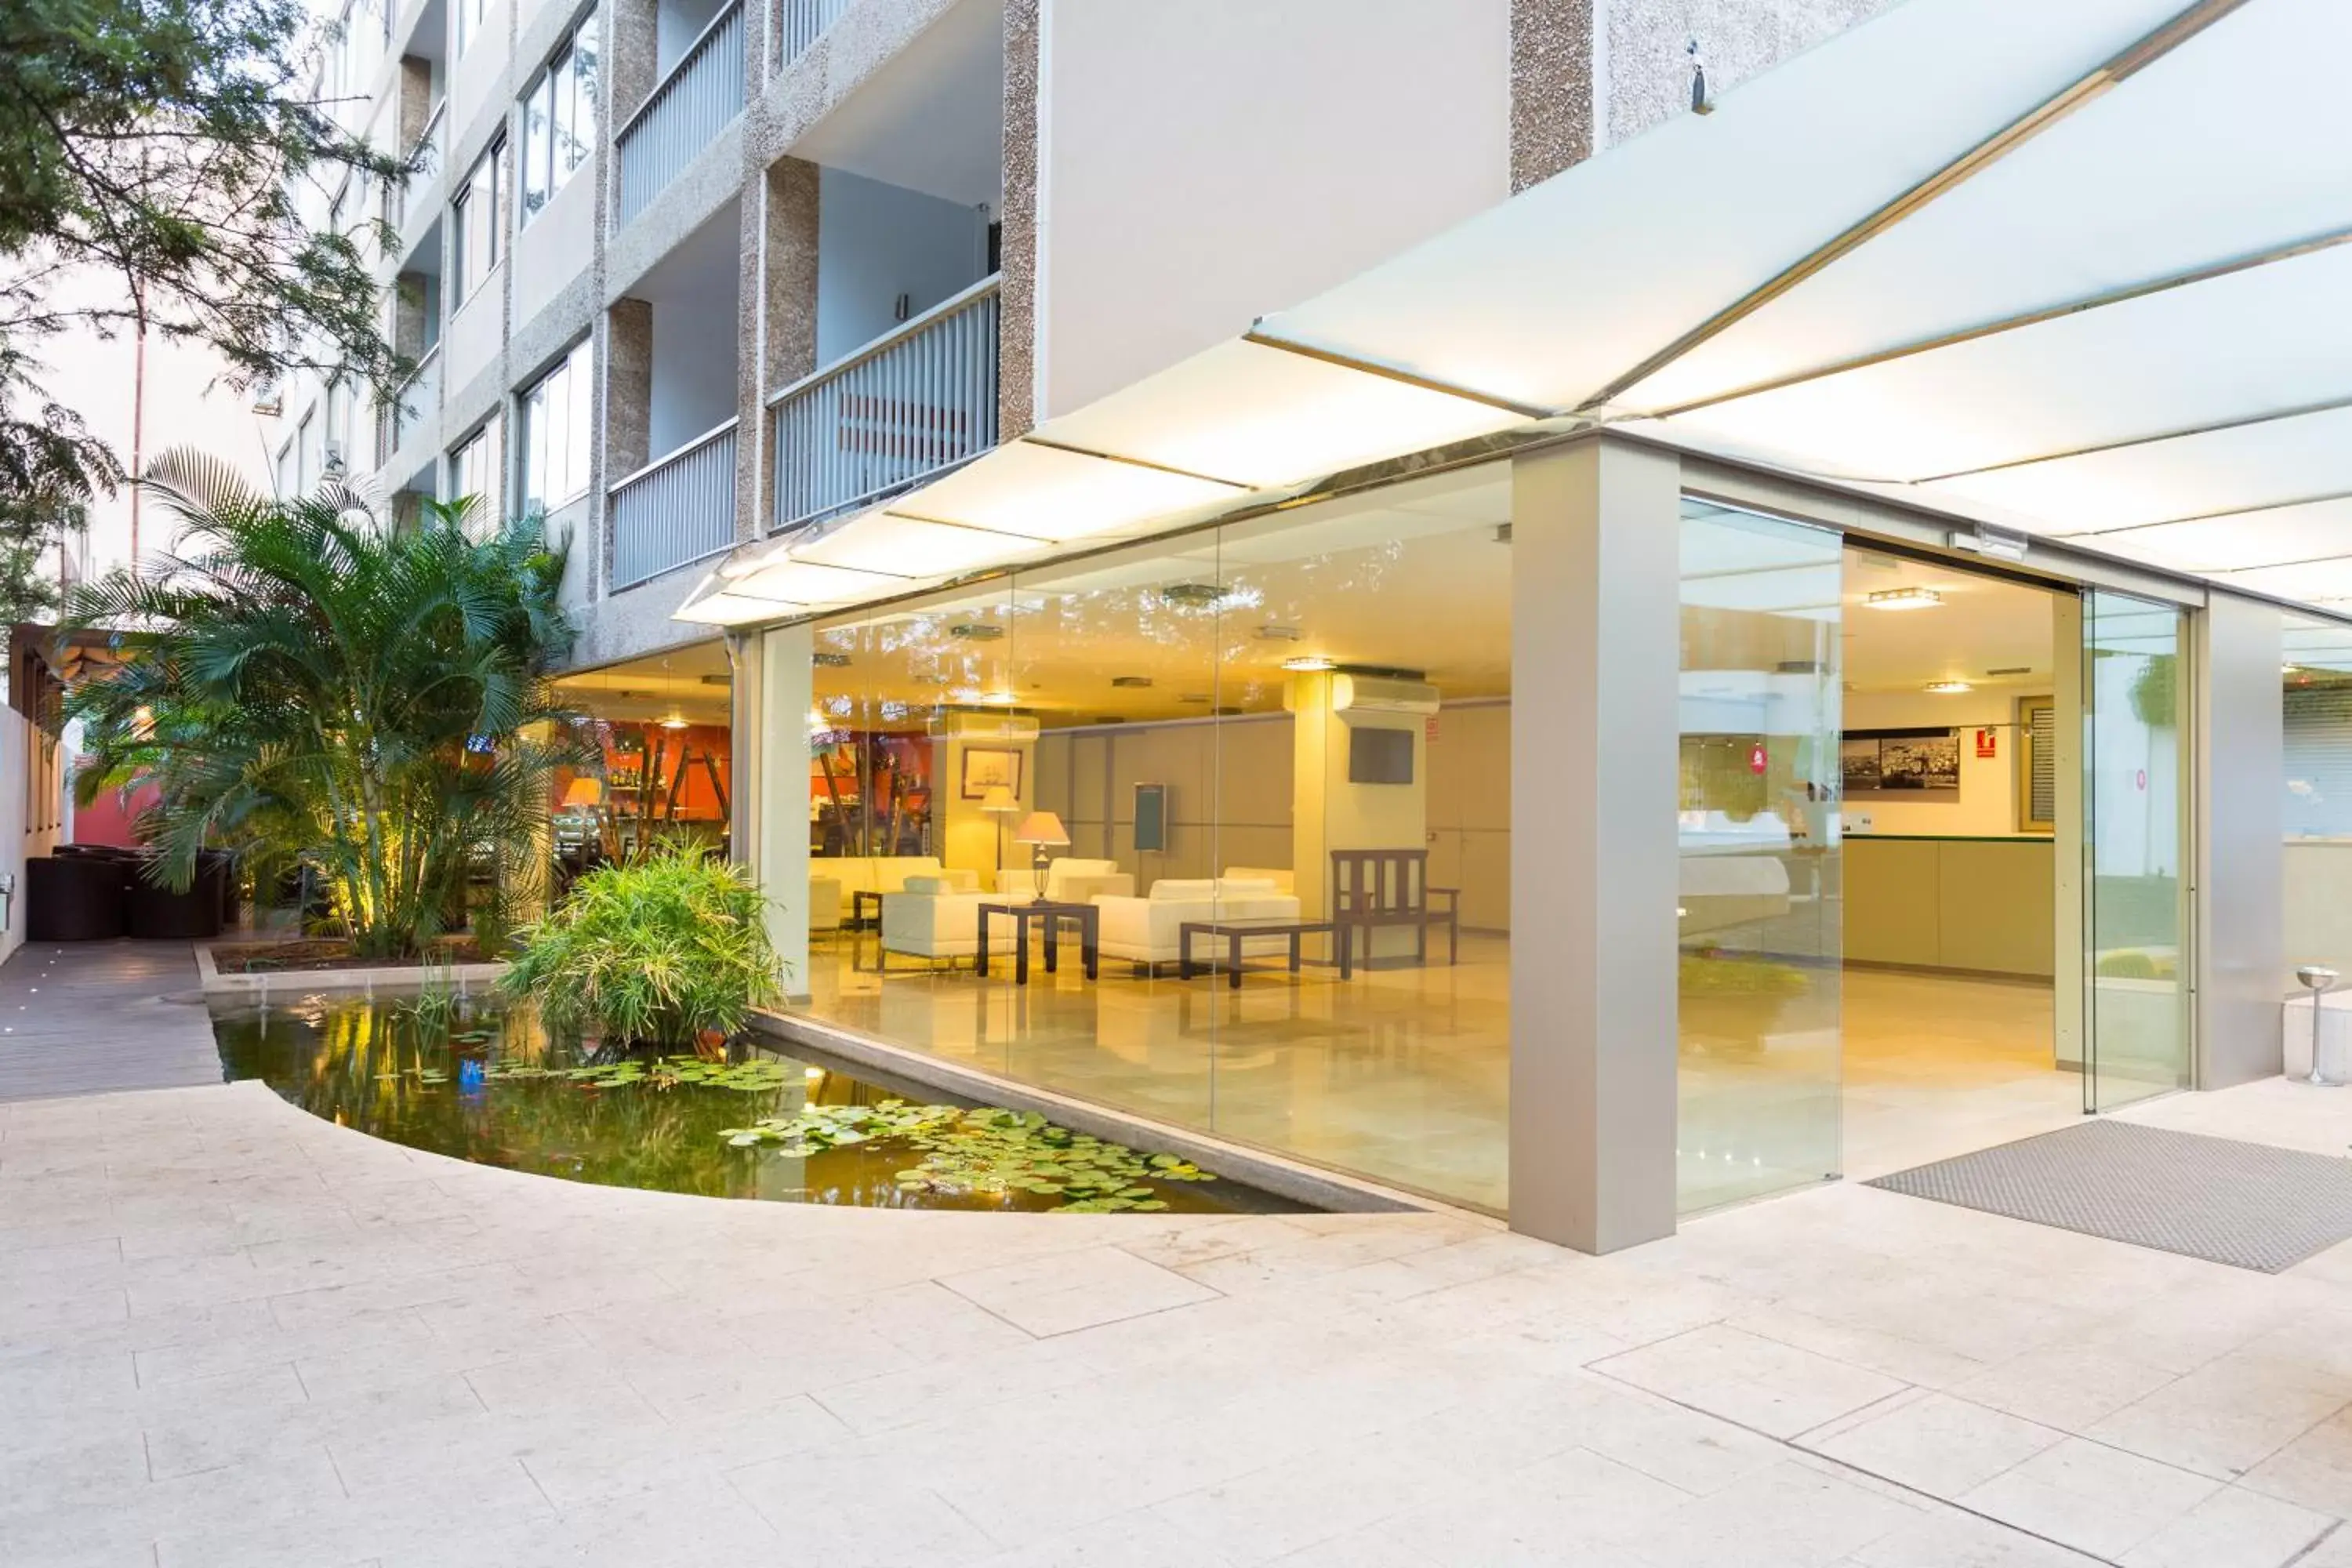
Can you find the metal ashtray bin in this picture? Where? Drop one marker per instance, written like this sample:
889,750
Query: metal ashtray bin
2318,977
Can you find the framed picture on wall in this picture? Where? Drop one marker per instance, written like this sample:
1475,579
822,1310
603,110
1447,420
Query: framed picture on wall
1900,765
985,768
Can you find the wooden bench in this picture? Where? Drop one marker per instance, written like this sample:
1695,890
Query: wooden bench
1375,887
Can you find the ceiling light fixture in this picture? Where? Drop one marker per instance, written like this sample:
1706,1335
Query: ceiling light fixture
976,631
1949,688
1192,595
1309,662
1278,633
1903,599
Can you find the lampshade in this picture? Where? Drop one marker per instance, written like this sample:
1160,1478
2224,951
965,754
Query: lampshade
1041,827
583,792
1001,799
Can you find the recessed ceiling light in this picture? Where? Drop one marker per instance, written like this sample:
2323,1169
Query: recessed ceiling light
1903,599
1132,682
1308,661
824,660
1277,633
1192,594
1949,688
976,631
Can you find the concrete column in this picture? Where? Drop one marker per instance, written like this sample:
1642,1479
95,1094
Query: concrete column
626,416
787,690
1552,122
746,732
1017,315
630,52
1595,660
778,309
2239,895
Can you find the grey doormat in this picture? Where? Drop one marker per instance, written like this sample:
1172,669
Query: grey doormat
2246,1204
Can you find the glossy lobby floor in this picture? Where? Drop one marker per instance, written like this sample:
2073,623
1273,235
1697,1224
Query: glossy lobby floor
1402,1075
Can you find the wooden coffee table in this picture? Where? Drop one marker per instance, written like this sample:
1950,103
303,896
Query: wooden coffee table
1238,932
1050,916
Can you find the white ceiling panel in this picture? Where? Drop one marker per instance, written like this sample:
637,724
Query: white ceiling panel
2312,581
2195,476
904,547
1548,298
1042,492
2240,541
2201,159
2252,343
1266,419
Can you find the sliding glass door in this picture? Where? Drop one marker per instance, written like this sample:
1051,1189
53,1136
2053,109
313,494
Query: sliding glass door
2135,846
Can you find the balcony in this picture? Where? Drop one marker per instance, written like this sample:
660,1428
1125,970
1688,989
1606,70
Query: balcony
416,401
675,509
799,24
689,106
912,402
421,192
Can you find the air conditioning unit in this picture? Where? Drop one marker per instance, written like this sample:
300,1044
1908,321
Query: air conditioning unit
983,727
1381,694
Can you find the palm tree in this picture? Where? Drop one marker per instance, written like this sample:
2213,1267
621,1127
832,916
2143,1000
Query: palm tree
308,685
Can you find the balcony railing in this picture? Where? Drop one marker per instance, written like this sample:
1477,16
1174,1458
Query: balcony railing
416,401
911,402
675,509
800,23
685,109
421,192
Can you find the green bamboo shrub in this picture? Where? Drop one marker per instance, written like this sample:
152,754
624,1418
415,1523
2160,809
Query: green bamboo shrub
655,950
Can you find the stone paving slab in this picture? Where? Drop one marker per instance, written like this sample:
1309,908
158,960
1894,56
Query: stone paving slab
231,1333
90,1017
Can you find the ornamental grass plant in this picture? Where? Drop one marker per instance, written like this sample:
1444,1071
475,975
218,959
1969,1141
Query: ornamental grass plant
657,951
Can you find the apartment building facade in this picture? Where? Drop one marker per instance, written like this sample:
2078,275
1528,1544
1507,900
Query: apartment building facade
1142,458
657,248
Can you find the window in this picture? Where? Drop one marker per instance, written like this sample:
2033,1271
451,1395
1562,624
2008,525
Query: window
339,424
286,469
559,120
474,215
556,431
474,472
470,14
305,454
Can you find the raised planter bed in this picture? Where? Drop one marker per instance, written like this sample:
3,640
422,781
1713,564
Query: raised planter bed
254,968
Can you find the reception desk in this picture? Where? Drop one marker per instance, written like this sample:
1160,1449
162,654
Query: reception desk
1985,906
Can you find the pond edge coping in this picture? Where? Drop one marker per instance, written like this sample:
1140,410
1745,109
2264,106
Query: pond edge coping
1333,1192
406,978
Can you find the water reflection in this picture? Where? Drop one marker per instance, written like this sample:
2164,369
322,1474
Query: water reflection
429,1075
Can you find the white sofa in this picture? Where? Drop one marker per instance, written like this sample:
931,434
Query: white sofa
823,904
1070,880
1149,931
852,874
932,917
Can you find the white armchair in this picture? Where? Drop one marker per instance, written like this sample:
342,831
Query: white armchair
823,904
1073,881
933,917
1150,930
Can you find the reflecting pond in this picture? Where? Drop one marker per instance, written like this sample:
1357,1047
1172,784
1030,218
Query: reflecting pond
480,1080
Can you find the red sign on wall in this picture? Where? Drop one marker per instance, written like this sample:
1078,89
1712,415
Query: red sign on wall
1987,746
1758,760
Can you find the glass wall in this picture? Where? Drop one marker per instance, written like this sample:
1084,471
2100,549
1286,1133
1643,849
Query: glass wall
2317,714
659,758
1281,736
1759,900
2135,838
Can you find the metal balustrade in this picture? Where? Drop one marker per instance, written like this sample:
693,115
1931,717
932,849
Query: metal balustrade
911,402
701,94
800,23
675,509
421,192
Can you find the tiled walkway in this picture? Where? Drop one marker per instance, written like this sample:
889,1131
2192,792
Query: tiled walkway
232,1334
87,1017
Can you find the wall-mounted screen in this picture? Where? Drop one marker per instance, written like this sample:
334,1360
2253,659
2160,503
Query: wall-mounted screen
1379,756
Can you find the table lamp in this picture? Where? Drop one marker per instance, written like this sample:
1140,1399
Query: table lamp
1040,828
1000,803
